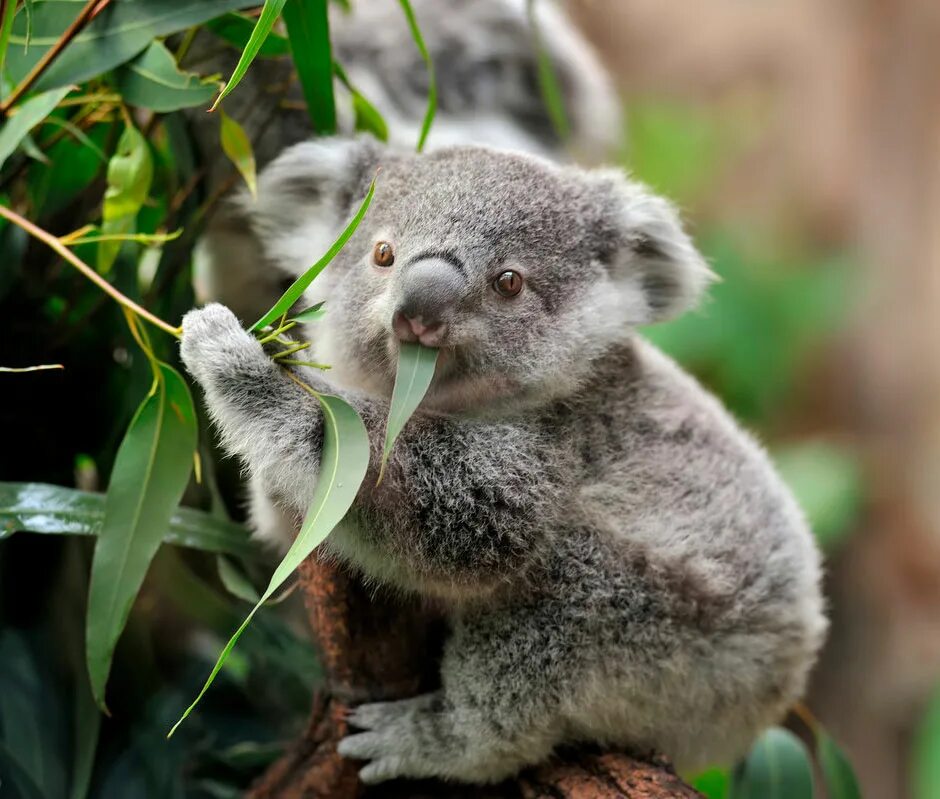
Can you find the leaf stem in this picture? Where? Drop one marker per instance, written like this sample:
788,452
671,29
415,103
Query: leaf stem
291,350
53,243
89,10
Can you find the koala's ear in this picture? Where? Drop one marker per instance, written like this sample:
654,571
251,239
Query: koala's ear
648,253
307,194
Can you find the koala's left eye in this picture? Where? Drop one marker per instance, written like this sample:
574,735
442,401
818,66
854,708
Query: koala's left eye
383,254
508,284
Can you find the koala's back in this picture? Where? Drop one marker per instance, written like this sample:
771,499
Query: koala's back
684,555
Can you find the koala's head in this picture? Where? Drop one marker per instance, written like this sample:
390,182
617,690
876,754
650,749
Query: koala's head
522,272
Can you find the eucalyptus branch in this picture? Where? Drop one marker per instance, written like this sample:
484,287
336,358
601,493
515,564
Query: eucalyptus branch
53,243
88,12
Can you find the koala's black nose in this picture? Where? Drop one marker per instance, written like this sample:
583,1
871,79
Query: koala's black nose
430,289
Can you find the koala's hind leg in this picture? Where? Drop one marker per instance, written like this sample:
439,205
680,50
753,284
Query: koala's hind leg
496,713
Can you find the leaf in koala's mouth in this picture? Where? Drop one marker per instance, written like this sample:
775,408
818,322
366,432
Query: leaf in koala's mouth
416,364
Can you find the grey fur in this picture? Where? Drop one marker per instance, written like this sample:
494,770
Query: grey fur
486,65
618,560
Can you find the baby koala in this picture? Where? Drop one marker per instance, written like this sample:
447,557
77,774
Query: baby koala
618,560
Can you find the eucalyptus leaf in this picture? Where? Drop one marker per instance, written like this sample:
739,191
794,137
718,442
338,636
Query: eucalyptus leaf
11,770
838,774
299,286
236,145
416,364
367,117
925,766
777,767
343,464
56,510
6,28
130,174
308,30
548,80
429,64
269,14
150,473
236,30
235,581
27,116
116,34
311,314
152,80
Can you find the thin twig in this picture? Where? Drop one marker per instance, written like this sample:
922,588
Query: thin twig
89,10
52,242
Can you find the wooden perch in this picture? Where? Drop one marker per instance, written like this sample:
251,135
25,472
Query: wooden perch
379,650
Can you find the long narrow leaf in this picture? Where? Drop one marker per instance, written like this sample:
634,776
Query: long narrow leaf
343,465
269,14
432,79
150,472
236,30
837,771
7,12
367,117
55,510
416,365
548,80
237,146
308,30
28,115
299,286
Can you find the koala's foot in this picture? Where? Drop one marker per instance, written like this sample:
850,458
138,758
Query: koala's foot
212,339
426,737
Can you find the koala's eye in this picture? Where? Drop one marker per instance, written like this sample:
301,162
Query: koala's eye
508,284
383,254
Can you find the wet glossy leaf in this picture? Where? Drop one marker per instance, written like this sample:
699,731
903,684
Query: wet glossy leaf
152,80
150,472
777,767
236,30
118,33
308,31
27,116
237,147
343,465
56,510
130,173
416,365
269,14
429,64
299,286
838,774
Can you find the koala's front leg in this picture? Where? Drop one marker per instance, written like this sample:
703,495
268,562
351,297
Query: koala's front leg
261,414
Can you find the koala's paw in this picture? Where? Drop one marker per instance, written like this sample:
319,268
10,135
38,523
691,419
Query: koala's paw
402,739
212,337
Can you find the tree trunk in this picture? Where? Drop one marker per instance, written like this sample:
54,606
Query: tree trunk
375,650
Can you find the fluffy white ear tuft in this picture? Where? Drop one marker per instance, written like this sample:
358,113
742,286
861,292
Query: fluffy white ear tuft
655,259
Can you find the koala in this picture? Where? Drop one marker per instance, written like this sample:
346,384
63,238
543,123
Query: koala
618,562
487,64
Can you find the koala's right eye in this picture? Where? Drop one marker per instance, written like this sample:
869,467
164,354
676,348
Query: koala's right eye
383,254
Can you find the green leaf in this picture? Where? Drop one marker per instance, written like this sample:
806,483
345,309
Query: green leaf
777,767
55,510
269,14
152,80
925,768
150,472
130,173
838,774
416,364
27,116
827,482
6,28
236,145
714,782
235,581
299,286
236,30
367,116
311,314
114,36
11,770
308,30
432,80
343,465
548,80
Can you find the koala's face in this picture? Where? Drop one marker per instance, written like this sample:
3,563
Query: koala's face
521,272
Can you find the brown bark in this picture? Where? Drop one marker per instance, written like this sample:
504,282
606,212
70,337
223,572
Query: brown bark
375,650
